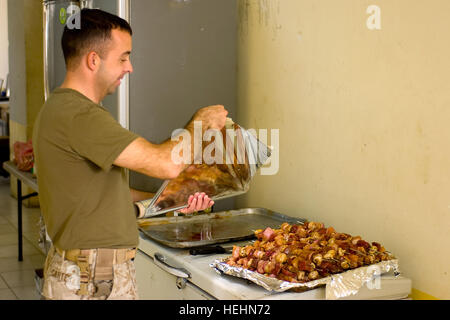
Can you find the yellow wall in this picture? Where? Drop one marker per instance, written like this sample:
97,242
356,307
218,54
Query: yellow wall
33,17
364,119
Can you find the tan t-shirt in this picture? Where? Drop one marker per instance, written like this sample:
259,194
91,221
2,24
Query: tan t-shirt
85,199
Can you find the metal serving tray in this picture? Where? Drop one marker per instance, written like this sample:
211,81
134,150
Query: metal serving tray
206,229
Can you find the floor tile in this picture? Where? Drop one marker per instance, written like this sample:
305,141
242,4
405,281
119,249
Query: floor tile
13,264
20,278
12,250
8,239
8,207
30,239
3,284
7,229
29,220
7,294
3,220
17,278
27,293
27,227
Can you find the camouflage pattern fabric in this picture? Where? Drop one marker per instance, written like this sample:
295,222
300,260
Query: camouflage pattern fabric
62,281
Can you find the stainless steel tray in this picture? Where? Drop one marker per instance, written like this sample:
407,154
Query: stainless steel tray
205,229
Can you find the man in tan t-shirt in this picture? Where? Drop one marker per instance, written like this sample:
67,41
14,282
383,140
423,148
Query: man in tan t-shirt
81,154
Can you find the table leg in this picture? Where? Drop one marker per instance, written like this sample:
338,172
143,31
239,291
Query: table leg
19,216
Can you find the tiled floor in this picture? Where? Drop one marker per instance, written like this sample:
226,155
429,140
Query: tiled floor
17,278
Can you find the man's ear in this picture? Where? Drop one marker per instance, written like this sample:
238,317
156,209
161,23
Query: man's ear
93,60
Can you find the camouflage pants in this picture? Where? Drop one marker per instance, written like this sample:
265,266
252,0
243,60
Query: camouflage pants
62,281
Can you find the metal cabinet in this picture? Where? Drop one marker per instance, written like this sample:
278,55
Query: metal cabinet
184,58
155,283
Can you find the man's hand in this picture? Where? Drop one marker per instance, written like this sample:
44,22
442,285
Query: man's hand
212,117
197,202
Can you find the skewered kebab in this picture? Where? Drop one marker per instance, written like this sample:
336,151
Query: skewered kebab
301,253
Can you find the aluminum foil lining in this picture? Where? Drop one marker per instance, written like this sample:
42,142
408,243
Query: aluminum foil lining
336,286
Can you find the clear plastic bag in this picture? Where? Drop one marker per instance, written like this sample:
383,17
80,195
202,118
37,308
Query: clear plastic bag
236,162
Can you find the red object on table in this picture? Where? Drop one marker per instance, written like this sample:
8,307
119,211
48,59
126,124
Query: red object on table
23,155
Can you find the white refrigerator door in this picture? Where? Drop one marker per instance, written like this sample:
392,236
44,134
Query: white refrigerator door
54,65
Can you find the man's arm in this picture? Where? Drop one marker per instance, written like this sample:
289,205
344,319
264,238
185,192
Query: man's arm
150,159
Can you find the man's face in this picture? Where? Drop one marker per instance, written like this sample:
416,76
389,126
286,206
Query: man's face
116,62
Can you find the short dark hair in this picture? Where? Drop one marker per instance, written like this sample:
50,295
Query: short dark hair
94,32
